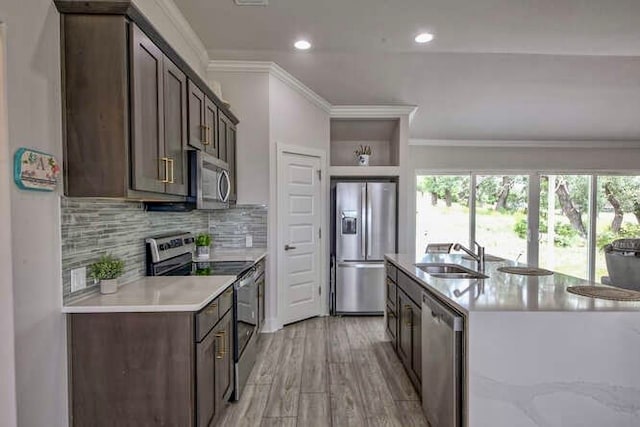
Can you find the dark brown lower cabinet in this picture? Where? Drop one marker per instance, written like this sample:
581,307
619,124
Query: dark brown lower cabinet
148,369
404,324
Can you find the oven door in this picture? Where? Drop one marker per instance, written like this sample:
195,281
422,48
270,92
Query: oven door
212,182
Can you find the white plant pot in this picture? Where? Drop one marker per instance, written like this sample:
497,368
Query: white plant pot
363,160
109,286
202,252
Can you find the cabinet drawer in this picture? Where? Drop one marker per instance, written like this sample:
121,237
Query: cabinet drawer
392,323
206,319
392,272
410,287
391,294
225,301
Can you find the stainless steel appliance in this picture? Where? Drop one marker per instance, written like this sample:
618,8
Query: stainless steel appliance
442,364
210,176
172,255
365,229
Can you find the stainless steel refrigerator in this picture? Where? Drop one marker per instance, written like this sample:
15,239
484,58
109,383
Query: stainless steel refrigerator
365,230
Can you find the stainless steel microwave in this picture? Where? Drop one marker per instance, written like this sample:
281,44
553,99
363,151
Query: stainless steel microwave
210,180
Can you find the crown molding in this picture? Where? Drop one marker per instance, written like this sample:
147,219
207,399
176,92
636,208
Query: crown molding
501,143
373,111
184,28
274,70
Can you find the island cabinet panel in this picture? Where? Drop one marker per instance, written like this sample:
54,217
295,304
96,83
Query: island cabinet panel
144,369
404,321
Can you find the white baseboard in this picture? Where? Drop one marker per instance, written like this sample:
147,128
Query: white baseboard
271,325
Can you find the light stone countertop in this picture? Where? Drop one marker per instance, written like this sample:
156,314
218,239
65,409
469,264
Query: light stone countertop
156,294
504,291
245,254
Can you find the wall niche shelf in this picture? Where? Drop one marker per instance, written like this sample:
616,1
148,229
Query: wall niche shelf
377,171
382,135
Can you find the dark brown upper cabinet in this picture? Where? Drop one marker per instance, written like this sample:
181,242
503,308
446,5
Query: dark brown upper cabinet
227,150
203,121
131,106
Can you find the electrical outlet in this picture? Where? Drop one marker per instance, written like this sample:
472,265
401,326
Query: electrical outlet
248,240
78,279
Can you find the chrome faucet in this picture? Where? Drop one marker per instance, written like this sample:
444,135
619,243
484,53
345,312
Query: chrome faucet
478,257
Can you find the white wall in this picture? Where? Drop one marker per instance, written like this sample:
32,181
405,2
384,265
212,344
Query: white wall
7,356
248,94
169,21
34,117
293,120
526,159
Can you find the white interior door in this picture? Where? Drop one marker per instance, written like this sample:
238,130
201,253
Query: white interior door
299,211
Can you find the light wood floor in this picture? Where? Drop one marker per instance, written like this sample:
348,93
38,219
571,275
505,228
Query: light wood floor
329,371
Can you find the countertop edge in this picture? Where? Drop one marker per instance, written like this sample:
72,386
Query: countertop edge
232,257
71,309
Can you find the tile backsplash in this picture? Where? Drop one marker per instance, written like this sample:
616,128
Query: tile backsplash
93,227
229,227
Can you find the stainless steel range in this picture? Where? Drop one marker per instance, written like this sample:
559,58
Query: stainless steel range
172,255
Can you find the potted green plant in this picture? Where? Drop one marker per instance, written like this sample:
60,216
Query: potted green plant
107,270
203,242
362,153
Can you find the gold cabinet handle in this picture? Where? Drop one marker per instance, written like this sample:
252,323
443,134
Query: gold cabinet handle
408,307
171,180
203,134
223,349
212,309
166,169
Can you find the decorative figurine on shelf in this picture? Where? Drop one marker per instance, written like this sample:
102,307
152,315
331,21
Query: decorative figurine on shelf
106,271
362,153
203,242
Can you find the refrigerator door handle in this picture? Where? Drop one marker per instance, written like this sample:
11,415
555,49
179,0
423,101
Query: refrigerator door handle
363,222
361,265
369,227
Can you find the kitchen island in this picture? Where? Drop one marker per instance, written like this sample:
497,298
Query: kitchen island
534,354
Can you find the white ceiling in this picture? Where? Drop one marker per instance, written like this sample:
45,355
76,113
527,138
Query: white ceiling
362,130
498,69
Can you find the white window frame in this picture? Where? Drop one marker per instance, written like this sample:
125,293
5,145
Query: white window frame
533,213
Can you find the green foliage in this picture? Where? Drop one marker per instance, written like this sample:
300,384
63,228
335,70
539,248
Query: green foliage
627,231
106,268
203,239
564,236
455,187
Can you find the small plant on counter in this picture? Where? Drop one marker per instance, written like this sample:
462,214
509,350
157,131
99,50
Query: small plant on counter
203,242
107,270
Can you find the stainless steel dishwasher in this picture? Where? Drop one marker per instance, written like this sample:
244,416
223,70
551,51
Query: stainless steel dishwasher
442,363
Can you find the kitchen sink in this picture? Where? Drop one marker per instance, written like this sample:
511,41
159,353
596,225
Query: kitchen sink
450,271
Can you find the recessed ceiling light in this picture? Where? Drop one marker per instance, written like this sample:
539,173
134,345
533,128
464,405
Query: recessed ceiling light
302,45
424,38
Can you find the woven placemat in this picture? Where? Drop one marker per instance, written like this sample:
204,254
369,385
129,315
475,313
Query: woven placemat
526,271
605,292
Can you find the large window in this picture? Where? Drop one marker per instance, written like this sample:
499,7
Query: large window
564,224
574,216
501,215
442,205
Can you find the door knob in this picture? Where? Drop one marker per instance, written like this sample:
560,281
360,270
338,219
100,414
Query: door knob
289,247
